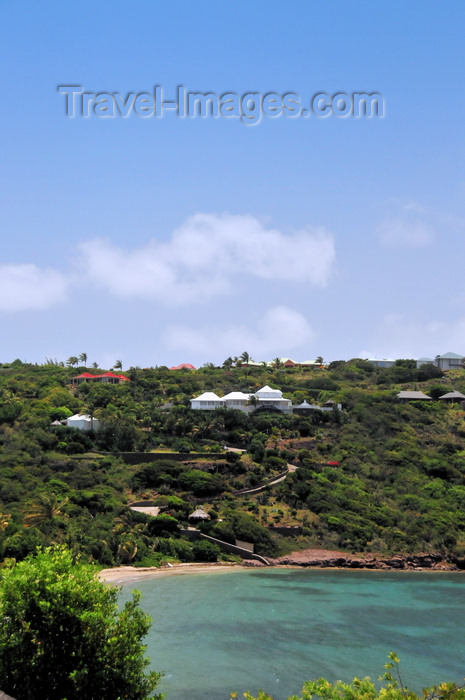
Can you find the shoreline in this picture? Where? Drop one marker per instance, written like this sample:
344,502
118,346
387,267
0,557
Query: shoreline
125,574
120,575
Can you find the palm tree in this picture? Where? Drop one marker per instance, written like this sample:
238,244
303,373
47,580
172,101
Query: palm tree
319,360
118,365
83,358
72,361
126,551
253,401
95,365
90,410
277,363
245,357
44,510
4,521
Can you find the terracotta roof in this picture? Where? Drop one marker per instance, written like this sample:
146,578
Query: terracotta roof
111,374
88,375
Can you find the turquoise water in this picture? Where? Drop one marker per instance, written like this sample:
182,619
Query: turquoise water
273,629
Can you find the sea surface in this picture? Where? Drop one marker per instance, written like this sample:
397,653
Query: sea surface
274,629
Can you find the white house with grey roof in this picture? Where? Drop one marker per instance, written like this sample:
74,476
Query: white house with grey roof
450,360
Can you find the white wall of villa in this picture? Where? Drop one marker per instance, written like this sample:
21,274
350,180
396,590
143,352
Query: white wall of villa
207,401
236,399
450,360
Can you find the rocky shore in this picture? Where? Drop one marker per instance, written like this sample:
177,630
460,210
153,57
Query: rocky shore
324,558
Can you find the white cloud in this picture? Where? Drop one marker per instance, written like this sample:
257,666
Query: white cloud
401,233
406,225
24,287
280,330
414,207
205,254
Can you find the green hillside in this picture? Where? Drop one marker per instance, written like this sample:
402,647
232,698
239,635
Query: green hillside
398,485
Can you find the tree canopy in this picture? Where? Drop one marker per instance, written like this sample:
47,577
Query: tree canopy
62,635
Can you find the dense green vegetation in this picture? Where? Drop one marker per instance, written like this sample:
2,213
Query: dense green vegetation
398,485
62,636
364,688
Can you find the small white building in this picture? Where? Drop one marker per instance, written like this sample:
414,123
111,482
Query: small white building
82,422
207,401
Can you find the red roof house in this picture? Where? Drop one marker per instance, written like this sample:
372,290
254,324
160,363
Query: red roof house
106,378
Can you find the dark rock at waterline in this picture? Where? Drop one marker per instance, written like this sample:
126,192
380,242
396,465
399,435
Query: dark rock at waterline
325,558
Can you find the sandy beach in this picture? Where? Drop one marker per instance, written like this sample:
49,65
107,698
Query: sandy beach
124,574
303,559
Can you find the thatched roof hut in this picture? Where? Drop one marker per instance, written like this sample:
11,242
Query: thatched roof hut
452,396
199,515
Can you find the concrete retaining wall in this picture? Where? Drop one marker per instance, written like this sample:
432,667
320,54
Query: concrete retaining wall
225,546
147,457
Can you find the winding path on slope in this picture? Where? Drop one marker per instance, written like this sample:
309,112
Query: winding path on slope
290,468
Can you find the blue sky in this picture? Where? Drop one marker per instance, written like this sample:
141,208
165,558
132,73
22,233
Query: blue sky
166,240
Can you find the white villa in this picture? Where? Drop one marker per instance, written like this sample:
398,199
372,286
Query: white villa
82,422
271,398
450,360
207,402
236,399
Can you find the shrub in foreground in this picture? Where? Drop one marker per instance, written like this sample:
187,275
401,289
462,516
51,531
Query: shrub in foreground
62,635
